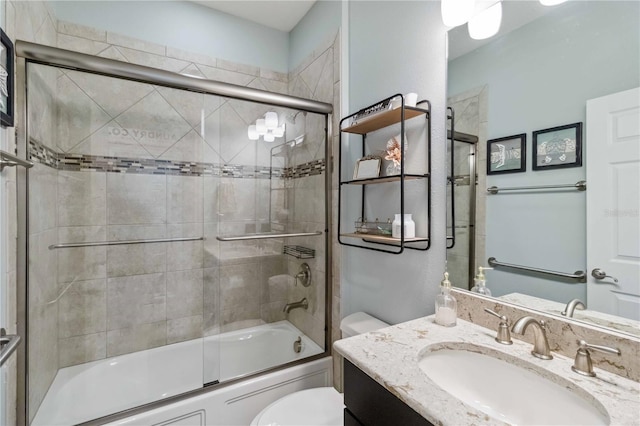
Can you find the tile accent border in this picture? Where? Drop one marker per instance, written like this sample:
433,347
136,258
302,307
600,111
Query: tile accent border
315,167
95,163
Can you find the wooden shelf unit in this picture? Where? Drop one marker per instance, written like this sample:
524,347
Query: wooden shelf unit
378,121
383,239
384,179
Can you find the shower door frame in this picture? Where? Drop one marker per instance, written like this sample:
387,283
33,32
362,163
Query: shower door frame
26,53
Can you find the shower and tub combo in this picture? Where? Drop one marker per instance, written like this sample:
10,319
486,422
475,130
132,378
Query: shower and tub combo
164,248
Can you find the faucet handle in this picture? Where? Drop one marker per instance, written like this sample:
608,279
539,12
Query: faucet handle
582,364
504,334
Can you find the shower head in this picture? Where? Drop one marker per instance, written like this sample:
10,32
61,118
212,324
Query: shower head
291,118
296,141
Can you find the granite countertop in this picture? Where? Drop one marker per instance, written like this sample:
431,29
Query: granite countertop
390,356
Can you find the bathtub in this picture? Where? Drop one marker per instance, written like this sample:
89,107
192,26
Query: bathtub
95,389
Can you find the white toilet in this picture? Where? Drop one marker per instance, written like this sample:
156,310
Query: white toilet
317,406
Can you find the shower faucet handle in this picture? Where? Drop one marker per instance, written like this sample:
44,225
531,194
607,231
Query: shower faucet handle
504,334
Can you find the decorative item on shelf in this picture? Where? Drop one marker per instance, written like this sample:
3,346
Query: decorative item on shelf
267,127
367,167
370,112
557,147
410,99
394,153
409,226
373,228
299,252
507,155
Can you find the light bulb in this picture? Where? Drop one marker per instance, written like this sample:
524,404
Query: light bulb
456,12
271,120
278,132
269,137
253,133
551,2
487,23
261,126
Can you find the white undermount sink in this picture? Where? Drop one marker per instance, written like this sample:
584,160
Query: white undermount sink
509,392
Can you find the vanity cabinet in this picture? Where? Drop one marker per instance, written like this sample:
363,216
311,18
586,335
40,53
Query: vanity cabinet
385,195
369,404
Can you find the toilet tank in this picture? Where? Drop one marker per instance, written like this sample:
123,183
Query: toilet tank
360,323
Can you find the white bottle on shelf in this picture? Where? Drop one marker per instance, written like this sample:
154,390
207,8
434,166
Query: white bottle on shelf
409,226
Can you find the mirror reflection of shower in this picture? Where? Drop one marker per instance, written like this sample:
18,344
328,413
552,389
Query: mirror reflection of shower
461,200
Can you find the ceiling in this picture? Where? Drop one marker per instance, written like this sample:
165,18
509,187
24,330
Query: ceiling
281,15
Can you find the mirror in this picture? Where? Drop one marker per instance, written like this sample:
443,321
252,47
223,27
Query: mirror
536,74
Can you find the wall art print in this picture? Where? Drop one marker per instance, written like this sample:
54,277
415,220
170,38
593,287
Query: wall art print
507,155
6,80
557,147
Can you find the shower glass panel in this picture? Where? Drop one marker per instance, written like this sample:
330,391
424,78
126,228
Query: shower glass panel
461,219
132,296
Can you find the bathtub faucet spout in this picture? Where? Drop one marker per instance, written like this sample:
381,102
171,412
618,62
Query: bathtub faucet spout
304,303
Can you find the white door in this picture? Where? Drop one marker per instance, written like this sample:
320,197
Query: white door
613,206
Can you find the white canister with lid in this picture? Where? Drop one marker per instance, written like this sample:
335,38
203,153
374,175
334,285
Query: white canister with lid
409,226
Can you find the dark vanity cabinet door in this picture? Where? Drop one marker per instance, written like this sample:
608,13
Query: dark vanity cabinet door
370,404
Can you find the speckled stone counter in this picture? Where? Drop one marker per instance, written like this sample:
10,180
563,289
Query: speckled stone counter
390,356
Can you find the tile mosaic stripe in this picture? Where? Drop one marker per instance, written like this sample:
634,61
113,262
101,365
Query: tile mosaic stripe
110,164
43,154
312,168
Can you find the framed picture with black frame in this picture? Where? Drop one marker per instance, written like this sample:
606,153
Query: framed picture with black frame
6,80
557,147
507,155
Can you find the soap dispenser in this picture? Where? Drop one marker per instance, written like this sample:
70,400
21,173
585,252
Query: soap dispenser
446,305
480,282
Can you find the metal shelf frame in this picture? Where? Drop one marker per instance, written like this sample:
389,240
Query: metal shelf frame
380,121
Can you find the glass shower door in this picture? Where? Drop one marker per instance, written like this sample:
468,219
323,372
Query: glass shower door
116,288
264,191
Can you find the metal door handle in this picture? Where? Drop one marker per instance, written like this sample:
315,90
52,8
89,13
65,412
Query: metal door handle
599,274
8,344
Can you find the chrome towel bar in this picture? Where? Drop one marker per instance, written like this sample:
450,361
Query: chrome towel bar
9,343
9,160
580,186
123,242
579,276
266,236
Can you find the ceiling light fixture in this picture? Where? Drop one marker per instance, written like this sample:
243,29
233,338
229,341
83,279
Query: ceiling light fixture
267,127
551,2
456,12
487,23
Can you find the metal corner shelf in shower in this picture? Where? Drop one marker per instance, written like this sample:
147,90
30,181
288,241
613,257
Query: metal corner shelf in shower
299,252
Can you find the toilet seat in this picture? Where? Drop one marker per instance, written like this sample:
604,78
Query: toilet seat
317,406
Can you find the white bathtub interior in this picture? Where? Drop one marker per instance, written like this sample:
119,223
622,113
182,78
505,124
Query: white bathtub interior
95,389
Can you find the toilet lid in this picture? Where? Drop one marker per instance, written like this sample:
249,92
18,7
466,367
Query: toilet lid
318,406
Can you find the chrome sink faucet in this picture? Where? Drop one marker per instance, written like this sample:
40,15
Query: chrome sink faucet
540,343
304,304
572,306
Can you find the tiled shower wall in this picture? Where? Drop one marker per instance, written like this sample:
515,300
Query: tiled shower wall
175,178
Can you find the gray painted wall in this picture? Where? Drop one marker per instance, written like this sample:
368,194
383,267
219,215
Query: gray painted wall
322,21
397,46
541,76
185,25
